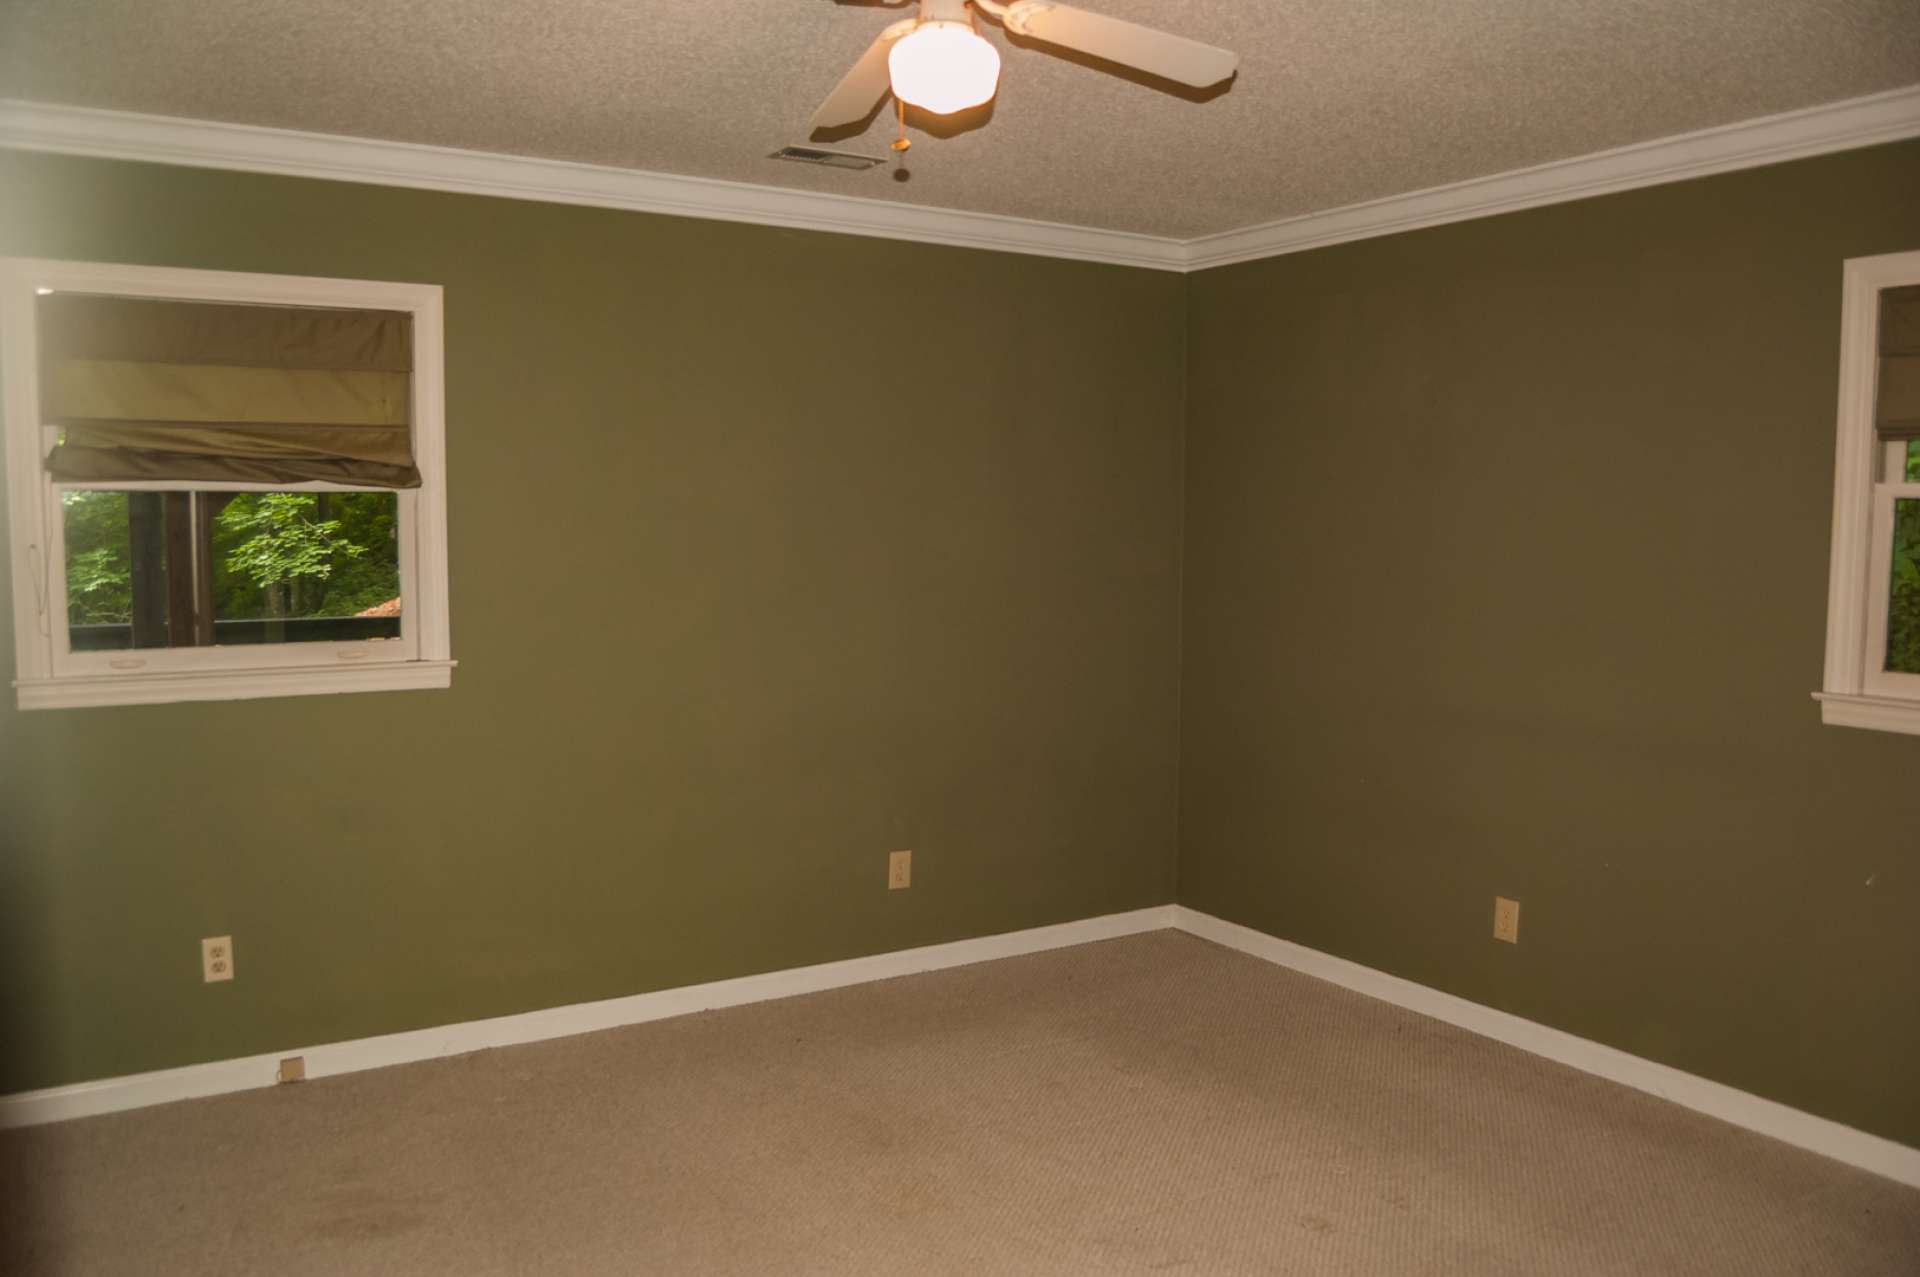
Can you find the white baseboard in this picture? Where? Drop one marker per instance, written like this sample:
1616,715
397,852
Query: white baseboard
1790,1125
1804,1130
109,1095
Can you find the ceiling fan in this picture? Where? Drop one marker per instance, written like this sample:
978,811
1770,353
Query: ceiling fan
937,61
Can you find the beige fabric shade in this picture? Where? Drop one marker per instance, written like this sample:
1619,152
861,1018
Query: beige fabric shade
211,392
1896,406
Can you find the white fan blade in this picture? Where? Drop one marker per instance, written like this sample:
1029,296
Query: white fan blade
1170,56
862,87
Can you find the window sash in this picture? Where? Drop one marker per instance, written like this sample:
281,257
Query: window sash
170,660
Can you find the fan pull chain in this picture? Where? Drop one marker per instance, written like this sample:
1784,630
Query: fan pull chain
900,144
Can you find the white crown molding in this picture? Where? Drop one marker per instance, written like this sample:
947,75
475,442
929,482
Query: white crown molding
70,130
194,1081
1715,1099
1767,139
124,135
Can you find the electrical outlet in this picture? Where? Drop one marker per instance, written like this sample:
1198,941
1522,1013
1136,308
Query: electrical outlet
899,870
292,1069
1506,920
216,958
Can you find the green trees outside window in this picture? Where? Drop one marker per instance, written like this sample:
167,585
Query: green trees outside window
284,554
99,559
1903,602
271,555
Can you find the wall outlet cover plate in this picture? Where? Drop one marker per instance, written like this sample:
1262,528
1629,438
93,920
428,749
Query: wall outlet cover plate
216,958
1506,920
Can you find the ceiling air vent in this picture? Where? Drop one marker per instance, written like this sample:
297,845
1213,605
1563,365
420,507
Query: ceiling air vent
830,159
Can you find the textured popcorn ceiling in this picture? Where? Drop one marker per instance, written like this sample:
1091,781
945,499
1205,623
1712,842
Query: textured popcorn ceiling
1337,100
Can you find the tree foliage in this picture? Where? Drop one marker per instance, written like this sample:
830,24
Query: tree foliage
284,541
273,554
99,568
1903,607
286,546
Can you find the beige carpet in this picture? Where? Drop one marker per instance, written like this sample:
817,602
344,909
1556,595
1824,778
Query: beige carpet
1154,1104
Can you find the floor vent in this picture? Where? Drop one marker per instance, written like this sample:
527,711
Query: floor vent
830,159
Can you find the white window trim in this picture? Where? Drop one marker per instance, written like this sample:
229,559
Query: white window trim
1857,690
51,677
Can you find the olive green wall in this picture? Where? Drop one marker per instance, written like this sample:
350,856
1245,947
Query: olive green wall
1506,571
771,552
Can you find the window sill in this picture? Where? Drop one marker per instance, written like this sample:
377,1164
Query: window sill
76,691
1879,713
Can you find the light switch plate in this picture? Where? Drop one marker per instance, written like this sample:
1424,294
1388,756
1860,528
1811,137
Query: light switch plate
899,870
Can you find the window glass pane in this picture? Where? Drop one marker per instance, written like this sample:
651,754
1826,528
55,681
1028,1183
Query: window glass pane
196,569
99,569
295,566
1903,603
1913,461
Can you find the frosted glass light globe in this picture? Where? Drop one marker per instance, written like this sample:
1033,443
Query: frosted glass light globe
943,67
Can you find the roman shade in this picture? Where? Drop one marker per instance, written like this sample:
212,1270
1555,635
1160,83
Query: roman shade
1896,407
213,392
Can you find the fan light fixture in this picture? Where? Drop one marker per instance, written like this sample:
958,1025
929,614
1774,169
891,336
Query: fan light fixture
938,62
943,67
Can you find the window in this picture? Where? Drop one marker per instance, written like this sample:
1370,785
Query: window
221,485
1873,608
